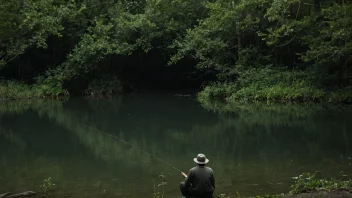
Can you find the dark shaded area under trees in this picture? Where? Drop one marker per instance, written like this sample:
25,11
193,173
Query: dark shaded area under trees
276,50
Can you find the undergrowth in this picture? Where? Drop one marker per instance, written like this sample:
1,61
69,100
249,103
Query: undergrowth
49,88
307,182
10,90
267,84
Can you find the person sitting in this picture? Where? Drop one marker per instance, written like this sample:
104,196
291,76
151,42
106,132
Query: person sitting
200,181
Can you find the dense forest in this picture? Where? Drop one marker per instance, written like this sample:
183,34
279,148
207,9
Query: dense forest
278,50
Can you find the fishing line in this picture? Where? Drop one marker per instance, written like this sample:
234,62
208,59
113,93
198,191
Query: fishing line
123,141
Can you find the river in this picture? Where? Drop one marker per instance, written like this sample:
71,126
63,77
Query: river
253,150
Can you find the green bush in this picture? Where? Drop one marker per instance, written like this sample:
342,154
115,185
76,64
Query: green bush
343,95
217,91
271,85
10,90
50,87
16,90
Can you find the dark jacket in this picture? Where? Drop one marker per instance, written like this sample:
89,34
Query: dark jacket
200,181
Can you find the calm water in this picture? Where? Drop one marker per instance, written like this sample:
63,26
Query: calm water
254,150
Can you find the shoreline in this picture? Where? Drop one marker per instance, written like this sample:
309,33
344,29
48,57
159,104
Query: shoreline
230,93
338,193
305,186
270,95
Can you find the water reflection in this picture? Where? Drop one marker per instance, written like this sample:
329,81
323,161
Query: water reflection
254,149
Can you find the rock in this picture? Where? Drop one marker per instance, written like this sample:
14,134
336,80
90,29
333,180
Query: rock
4,195
24,194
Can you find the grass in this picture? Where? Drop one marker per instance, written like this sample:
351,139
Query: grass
306,183
51,88
11,90
15,90
270,85
340,95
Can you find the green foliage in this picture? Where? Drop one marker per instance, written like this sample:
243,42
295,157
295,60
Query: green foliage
271,85
334,42
265,84
11,90
32,24
218,91
233,38
47,186
232,43
123,32
308,183
341,95
238,196
159,189
219,41
52,86
14,90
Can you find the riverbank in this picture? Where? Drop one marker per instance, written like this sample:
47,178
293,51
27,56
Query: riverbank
309,186
251,85
270,85
228,93
305,186
231,93
15,90
320,194
12,90
332,194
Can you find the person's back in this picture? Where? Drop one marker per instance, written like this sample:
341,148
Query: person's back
200,181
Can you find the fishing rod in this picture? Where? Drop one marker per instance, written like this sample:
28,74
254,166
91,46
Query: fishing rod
123,141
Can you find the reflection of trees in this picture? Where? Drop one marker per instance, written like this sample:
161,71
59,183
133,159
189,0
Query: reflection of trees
12,138
14,107
101,145
313,123
249,134
250,130
250,144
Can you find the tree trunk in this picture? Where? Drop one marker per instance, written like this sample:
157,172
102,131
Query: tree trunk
317,4
239,40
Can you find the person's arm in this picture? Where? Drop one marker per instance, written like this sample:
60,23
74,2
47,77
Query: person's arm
188,180
212,179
